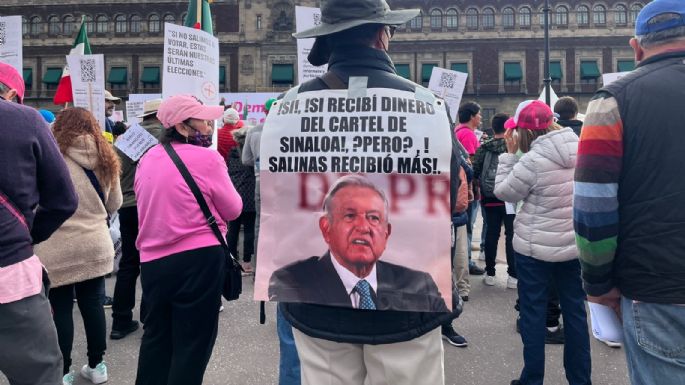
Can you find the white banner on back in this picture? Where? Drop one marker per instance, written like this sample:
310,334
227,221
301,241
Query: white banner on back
448,85
305,18
10,41
191,63
88,84
135,142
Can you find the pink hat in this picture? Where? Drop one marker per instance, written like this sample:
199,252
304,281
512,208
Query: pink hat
180,108
532,115
11,78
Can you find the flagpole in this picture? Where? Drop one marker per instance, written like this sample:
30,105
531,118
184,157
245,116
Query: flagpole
198,19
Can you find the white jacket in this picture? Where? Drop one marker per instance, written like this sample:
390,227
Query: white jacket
543,180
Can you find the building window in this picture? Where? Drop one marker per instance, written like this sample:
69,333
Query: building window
68,25
150,77
625,65
28,78
589,72
512,74
135,23
24,26
524,17
541,17
621,15
101,24
222,77
486,116
460,67
34,27
169,18
634,11
416,23
426,72
259,22
555,72
184,17
51,77
282,75
508,17
599,15
118,77
120,24
153,24
488,18
472,18
561,16
436,19
452,18
583,15
54,25
403,71
90,25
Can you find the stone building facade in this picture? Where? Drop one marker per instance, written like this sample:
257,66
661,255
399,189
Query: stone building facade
498,42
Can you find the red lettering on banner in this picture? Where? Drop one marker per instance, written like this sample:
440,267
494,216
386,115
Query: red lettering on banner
401,187
438,192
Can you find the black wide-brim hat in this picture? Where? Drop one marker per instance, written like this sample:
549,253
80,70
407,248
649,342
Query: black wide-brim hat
340,15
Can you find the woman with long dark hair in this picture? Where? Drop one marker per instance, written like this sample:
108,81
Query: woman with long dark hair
80,253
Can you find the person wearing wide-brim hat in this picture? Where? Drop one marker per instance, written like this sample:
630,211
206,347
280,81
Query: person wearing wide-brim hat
346,345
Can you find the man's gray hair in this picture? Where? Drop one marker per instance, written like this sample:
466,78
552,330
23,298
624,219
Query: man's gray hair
356,181
662,37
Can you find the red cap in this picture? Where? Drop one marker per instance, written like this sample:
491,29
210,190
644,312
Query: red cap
533,115
12,79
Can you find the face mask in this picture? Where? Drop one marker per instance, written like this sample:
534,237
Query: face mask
200,140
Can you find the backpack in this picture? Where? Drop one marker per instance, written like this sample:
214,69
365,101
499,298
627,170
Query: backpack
487,176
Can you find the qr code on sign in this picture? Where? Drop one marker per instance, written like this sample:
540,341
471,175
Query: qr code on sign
3,32
447,80
87,70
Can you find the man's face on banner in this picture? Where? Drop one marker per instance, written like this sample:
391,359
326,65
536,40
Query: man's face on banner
356,229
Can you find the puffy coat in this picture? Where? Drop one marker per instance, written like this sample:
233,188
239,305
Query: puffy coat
543,180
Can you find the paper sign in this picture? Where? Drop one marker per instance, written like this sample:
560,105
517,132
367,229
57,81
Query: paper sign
11,41
191,63
448,85
605,323
305,18
134,109
117,116
135,142
612,77
399,145
88,84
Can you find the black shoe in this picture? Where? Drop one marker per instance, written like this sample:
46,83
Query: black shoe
465,298
453,338
108,302
555,337
515,382
475,270
119,334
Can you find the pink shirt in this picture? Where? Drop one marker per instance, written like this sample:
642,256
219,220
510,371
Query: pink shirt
170,220
467,138
21,280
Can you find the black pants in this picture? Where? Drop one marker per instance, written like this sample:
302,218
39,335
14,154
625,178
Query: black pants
495,216
129,269
247,220
90,295
183,294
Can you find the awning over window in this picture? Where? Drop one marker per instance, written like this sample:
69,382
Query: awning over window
461,67
403,70
512,71
427,71
28,76
589,70
150,75
118,75
626,65
52,76
222,75
282,73
555,71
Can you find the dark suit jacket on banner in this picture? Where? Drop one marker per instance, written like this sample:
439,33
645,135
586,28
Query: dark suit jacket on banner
315,280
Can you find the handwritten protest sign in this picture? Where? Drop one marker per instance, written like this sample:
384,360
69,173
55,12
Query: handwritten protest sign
448,85
133,110
402,146
11,41
88,84
135,142
191,63
305,18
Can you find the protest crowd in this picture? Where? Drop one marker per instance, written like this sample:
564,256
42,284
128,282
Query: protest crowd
587,206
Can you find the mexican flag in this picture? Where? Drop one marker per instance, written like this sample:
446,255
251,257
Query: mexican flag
81,47
204,21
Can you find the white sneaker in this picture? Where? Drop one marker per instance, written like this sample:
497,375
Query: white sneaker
512,283
68,378
611,344
97,375
221,308
489,280
481,255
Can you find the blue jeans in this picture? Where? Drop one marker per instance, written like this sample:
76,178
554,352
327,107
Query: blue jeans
289,367
654,342
534,280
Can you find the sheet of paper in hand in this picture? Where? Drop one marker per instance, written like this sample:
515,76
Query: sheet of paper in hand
355,201
448,85
135,142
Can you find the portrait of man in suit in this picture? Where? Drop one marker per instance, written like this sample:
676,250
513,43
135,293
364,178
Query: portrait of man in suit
356,228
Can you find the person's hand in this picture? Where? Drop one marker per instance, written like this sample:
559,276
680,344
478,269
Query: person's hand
511,141
612,299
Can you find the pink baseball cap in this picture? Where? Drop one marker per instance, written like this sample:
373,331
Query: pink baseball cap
532,115
11,78
180,108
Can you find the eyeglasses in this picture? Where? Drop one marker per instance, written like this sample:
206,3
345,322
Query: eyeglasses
391,30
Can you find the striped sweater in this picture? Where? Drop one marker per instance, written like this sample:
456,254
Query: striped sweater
595,200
